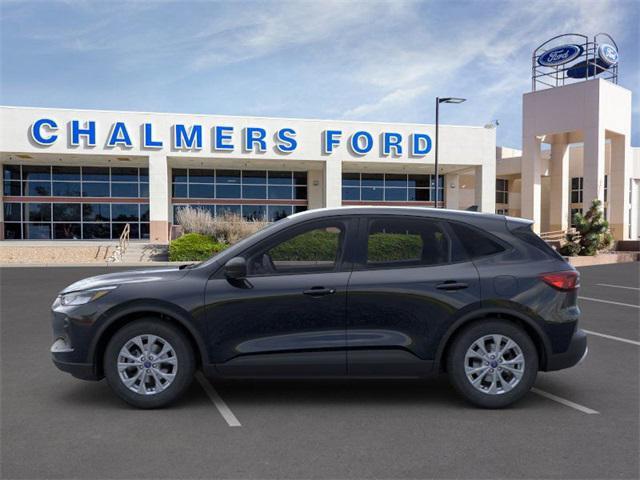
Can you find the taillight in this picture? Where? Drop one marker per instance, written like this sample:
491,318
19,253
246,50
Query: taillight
565,281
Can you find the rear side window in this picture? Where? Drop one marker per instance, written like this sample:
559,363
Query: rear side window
526,234
406,242
475,242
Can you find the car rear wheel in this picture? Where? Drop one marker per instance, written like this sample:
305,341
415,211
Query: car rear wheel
149,363
492,363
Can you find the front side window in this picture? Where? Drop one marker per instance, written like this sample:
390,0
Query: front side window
398,242
308,251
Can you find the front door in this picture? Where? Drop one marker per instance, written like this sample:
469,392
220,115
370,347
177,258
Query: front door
289,317
406,289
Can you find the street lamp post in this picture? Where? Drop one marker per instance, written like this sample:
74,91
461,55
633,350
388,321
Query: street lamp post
438,102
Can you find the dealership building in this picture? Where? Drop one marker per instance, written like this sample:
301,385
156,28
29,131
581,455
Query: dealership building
85,174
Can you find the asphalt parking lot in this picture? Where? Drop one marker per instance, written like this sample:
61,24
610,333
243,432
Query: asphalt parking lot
580,423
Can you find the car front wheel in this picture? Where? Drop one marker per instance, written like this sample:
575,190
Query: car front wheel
492,363
149,363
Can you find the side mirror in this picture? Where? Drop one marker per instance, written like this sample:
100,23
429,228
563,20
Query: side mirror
236,268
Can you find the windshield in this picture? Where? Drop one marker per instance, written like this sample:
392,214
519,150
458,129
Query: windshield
236,248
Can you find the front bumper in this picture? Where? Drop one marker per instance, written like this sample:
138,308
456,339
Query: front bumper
576,352
62,356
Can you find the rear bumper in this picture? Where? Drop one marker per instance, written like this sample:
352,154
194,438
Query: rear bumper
576,352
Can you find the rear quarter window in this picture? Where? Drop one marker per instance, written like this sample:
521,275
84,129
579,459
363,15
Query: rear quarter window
475,242
527,235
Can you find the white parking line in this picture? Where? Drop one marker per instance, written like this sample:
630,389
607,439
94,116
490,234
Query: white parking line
617,286
611,337
609,301
564,401
222,407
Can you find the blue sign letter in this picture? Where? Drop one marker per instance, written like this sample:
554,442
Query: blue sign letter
89,131
391,140
36,131
147,138
255,135
330,141
182,139
286,141
119,136
355,142
221,137
421,144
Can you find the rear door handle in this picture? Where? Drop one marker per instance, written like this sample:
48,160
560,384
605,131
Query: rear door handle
451,285
319,291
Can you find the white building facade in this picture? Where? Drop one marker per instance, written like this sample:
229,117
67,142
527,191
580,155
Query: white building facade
85,174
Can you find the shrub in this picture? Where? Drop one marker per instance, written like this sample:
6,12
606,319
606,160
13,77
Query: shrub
194,247
227,228
592,233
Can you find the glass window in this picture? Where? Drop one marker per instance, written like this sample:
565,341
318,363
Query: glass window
254,191
144,190
419,181
372,193
198,190
95,189
124,174
372,179
11,172
300,178
117,229
313,250
37,231
406,242
179,175
66,173
124,212
229,210
12,231
66,212
144,230
66,189
227,191
228,176
576,189
12,212
144,174
179,190
37,189
124,190
350,193
280,178
300,193
144,212
201,175
70,231
395,194
475,242
395,180
36,172
254,177
254,212
37,212
280,192
351,179
278,212
12,189
96,212
502,190
96,230
95,174
418,194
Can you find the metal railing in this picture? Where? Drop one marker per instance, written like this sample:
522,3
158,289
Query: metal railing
123,244
556,235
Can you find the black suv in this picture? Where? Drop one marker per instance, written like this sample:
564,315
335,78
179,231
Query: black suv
355,292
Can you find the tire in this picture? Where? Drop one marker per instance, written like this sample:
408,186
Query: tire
466,363
165,379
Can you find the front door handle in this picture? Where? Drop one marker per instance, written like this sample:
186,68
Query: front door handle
319,291
451,285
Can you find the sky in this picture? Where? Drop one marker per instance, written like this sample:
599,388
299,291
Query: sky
344,60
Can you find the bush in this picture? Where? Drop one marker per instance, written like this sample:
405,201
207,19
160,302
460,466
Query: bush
194,247
592,233
227,228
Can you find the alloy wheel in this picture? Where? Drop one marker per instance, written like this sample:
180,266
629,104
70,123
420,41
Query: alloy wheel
494,364
147,364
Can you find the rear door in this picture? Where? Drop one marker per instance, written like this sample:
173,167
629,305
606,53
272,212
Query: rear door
409,284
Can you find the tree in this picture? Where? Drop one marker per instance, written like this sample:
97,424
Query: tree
591,235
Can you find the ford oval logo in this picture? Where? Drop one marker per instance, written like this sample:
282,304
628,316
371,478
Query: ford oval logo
608,54
560,55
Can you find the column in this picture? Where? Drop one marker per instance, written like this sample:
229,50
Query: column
1,208
159,198
332,183
593,167
531,172
559,195
452,187
485,188
315,189
618,188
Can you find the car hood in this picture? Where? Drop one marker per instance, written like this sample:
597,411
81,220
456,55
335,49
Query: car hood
120,278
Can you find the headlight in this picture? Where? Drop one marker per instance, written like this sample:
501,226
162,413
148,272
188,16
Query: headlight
84,296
